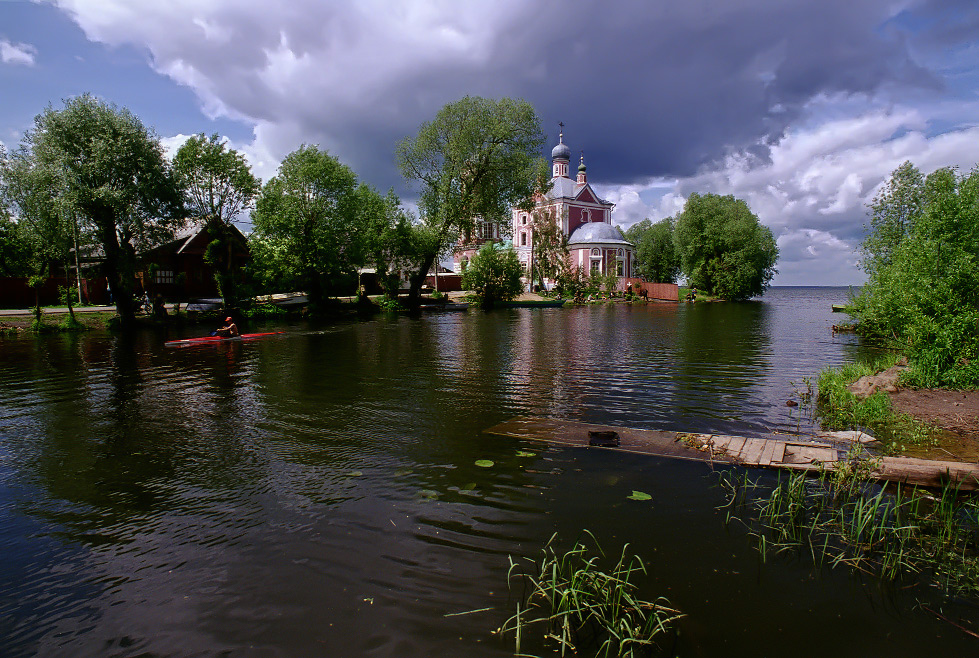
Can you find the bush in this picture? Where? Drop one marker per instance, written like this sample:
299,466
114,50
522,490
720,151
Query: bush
493,275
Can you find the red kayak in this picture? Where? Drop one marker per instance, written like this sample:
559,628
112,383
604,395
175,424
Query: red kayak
210,340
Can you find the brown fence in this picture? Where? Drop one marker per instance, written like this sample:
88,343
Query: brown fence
15,293
446,282
662,291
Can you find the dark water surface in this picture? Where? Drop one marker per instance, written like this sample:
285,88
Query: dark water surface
315,494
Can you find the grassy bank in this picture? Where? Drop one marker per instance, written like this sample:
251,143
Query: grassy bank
839,409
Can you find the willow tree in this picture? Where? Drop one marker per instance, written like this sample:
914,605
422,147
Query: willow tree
722,247
114,178
474,161
218,186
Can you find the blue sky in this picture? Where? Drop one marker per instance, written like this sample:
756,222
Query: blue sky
801,108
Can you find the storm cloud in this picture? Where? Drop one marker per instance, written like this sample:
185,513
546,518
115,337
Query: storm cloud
800,107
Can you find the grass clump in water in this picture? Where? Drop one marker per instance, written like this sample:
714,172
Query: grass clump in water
839,409
572,602
841,519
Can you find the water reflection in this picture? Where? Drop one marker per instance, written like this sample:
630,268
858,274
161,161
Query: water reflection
317,493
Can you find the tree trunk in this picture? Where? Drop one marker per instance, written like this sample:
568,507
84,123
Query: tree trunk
416,281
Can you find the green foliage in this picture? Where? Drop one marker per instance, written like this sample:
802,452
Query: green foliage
723,249
14,248
218,185
838,409
309,233
493,275
656,253
101,166
475,160
923,288
216,181
550,246
573,602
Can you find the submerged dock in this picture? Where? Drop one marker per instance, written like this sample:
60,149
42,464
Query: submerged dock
797,454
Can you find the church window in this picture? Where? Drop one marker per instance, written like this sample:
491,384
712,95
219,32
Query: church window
596,267
620,269
596,252
523,239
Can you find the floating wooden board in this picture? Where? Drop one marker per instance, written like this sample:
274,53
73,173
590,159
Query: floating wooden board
757,452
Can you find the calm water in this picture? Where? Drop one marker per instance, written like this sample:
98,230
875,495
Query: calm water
315,494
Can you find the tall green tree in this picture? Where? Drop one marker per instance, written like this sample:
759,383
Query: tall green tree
723,249
922,290
474,161
656,254
893,214
115,180
218,186
309,228
392,240
33,191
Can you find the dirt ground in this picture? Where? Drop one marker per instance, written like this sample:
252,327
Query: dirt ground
955,412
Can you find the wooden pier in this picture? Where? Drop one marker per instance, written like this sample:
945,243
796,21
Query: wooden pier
797,454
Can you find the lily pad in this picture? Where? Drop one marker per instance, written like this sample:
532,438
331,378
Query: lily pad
526,453
640,495
485,463
354,474
428,494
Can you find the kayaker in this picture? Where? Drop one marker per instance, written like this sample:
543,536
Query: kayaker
229,330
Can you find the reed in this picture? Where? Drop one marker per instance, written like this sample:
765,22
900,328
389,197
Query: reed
842,519
572,603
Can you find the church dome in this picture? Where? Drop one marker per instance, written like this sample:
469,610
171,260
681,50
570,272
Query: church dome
561,152
597,232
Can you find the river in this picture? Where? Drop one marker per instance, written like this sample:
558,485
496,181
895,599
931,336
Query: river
316,493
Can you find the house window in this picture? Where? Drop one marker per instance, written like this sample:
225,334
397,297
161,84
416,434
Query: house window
585,216
163,276
596,267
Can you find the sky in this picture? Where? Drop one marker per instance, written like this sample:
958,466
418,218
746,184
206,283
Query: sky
801,108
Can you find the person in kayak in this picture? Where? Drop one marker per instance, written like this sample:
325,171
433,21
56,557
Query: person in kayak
229,330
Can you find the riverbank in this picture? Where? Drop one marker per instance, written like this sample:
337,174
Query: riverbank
932,423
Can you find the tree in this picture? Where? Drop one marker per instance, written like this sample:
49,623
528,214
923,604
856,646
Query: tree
308,228
723,249
474,161
550,246
114,177
13,248
893,213
218,186
392,241
493,274
656,254
922,290
33,192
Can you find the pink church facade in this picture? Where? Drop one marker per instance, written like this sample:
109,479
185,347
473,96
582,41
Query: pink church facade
594,243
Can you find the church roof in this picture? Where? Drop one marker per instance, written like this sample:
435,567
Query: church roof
599,232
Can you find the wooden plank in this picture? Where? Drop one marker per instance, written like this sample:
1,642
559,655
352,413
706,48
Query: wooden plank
778,454
789,455
766,454
751,453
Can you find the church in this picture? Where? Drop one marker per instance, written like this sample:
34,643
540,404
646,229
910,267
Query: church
595,245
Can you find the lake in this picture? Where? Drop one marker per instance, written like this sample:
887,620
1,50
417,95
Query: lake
316,493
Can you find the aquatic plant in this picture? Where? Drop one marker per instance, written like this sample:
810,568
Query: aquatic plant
573,602
842,519
837,408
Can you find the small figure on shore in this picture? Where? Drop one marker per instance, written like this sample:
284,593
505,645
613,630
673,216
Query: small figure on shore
229,330
693,295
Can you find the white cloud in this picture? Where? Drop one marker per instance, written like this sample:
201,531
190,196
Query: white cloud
814,189
17,53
